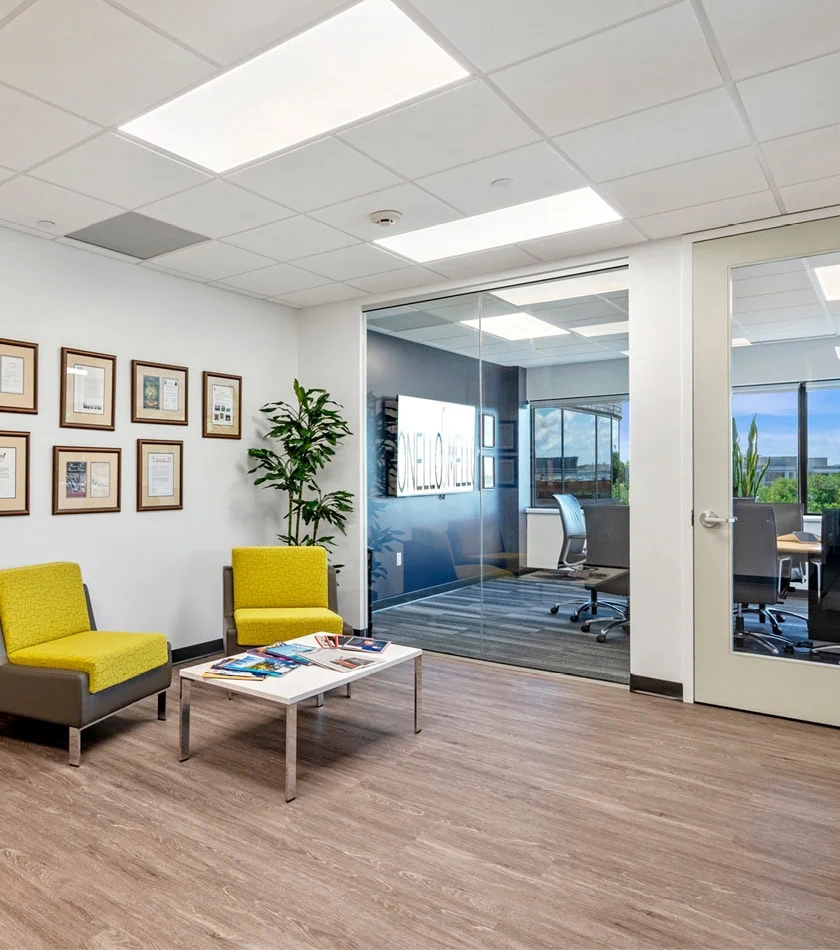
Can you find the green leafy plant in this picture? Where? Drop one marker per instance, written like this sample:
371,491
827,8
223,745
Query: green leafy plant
307,435
747,473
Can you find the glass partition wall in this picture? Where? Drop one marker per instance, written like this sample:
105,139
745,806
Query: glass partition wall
481,409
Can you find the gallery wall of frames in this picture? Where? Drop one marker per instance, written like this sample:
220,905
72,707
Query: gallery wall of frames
89,479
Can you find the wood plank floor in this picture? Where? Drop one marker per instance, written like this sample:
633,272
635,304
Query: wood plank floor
532,812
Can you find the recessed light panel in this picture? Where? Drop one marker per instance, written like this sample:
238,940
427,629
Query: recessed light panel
741,341
364,60
515,326
566,288
829,278
604,329
569,211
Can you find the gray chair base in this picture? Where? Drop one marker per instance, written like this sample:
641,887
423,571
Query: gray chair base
769,640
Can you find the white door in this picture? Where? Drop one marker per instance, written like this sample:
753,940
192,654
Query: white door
767,350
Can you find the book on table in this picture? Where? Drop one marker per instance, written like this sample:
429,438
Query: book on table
334,641
340,662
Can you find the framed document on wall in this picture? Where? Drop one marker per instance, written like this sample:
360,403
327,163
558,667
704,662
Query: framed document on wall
159,393
18,376
14,473
87,389
85,480
222,406
160,475
488,472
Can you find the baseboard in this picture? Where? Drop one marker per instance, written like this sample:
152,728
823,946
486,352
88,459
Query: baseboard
649,684
198,650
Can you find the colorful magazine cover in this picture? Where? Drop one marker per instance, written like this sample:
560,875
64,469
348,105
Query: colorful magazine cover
258,665
334,641
285,651
341,662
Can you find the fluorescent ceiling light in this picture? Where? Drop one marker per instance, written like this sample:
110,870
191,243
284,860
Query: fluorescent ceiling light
604,329
741,341
829,278
515,326
567,288
364,60
570,211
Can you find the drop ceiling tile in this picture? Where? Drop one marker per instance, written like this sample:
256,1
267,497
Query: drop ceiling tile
535,171
94,60
794,99
225,31
212,260
418,210
31,131
493,35
788,32
315,176
403,279
351,262
217,209
485,262
318,296
788,298
617,234
120,171
804,157
26,201
640,64
664,135
771,284
823,193
450,128
136,235
292,238
277,281
714,214
691,183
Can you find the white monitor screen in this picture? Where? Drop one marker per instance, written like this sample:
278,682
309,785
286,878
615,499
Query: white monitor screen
435,447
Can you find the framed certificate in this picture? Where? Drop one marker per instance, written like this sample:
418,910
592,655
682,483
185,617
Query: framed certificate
85,480
18,376
488,472
159,393
14,473
222,406
488,430
160,475
87,389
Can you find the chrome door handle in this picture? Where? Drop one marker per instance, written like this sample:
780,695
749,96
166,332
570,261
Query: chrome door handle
710,520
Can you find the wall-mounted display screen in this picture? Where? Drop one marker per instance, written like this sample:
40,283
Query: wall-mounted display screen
435,447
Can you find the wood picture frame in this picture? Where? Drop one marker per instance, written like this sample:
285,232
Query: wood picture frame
18,376
221,406
160,393
83,491
87,383
160,483
14,473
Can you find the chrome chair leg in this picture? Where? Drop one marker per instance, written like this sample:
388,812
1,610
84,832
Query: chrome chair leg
75,748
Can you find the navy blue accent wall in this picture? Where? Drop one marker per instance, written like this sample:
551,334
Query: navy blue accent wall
419,531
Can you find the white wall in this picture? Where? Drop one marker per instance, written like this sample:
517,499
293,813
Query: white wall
332,356
157,571
576,380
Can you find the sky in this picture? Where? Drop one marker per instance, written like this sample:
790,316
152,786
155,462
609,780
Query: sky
580,439
776,418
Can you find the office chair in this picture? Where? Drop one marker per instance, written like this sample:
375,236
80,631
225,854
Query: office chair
790,517
573,549
608,545
824,602
756,575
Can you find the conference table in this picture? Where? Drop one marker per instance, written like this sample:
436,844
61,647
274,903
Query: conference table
804,550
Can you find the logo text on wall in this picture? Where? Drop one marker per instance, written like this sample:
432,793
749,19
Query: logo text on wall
435,447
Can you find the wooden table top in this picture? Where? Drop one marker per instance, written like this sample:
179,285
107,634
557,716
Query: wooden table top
787,544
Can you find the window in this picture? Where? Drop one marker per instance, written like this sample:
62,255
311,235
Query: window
776,413
581,447
823,437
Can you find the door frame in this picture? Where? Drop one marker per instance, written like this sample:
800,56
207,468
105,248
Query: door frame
776,686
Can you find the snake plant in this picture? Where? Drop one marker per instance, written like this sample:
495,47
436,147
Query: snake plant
747,473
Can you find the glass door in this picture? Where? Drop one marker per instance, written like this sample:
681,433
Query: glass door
767,471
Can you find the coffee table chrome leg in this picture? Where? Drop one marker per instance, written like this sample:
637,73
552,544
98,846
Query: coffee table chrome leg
348,693
418,693
319,699
186,686
291,752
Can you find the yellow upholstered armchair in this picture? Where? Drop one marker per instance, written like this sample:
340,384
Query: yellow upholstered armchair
278,593
56,666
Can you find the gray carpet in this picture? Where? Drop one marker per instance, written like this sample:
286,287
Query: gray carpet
517,627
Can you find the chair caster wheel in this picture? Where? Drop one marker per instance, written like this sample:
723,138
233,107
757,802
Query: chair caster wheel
789,651
585,628
601,638
555,609
575,617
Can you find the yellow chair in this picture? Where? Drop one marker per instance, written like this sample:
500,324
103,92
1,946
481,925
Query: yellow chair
278,593
56,666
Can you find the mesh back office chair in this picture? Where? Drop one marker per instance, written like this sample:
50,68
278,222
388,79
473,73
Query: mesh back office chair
755,564
608,545
573,550
790,517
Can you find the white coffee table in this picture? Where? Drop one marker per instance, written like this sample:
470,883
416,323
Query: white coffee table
295,687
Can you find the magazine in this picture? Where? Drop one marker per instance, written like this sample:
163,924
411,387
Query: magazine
333,641
255,665
231,675
284,651
341,662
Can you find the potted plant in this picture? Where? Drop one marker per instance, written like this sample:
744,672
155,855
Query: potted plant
306,434
747,474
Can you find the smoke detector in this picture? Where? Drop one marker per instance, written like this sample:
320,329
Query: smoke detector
386,219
